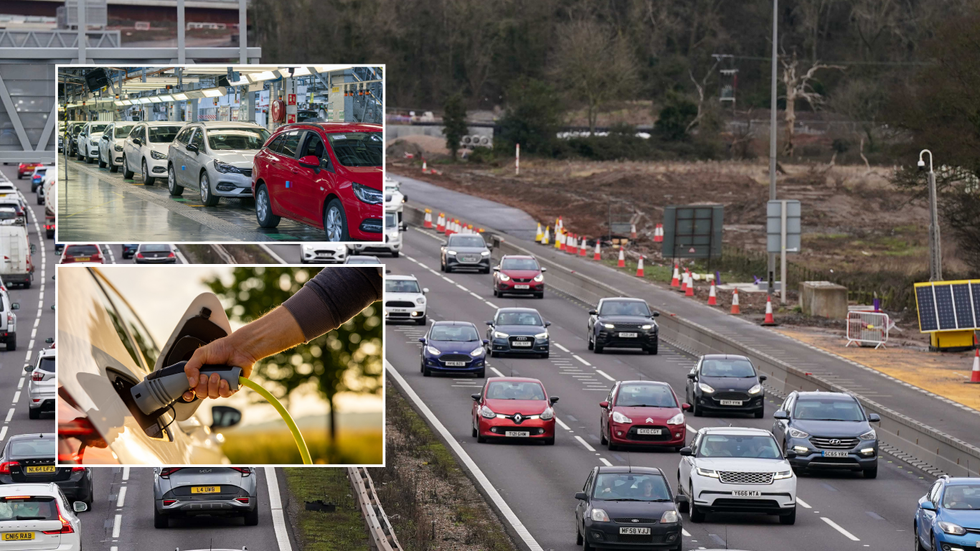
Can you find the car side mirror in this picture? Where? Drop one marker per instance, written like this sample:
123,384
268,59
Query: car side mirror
15,306
687,451
762,378
927,506
790,454
553,399
780,414
425,290
593,313
310,161
679,499
543,269
581,496
28,368
604,404
79,506
49,340
496,268
476,397
874,418
656,314
138,141
547,324
422,340
686,407
485,342
33,248
692,376
490,323
190,147
223,417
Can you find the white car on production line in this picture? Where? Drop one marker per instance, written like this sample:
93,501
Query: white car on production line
404,299
145,150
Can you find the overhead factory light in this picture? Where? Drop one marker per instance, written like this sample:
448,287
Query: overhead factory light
213,92
144,100
166,97
194,94
155,99
180,97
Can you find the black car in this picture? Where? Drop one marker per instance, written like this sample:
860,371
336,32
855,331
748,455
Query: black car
29,458
151,253
518,331
725,382
128,250
627,508
827,430
464,251
623,323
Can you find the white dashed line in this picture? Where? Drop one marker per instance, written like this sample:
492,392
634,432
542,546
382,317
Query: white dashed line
16,397
122,497
837,527
562,425
685,533
491,305
584,443
803,503
562,348
579,358
604,374
497,371
10,415
605,462
116,526
3,432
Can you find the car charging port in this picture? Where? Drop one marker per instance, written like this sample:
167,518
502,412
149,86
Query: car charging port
154,425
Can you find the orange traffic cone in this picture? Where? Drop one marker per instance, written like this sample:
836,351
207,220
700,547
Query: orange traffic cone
689,291
441,223
658,234
427,223
712,297
769,319
425,169
581,247
597,255
684,280
622,258
675,281
975,376
633,232
735,308
639,268
572,247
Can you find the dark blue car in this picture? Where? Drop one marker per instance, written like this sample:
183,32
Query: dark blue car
453,346
948,517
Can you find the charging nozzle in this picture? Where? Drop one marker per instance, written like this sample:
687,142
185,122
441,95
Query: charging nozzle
160,389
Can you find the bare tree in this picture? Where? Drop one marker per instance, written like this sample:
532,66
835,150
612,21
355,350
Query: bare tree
873,20
700,86
798,86
812,13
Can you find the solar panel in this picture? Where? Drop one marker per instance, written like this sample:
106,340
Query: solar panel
927,308
944,307
964,310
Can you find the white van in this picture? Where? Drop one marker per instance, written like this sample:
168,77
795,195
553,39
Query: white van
17,267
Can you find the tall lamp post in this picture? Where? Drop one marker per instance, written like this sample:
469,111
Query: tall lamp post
935,250
772,138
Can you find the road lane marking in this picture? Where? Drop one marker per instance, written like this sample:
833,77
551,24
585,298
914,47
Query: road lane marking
562,425
605,462
562,348
20,383
491,305
3,432
265,248
16,397
584,443
837,527
803,503
604,374
275,505
497,371
10,415
463,288
125,474
449,280
685,533
476,295
579,358
116,526
122,497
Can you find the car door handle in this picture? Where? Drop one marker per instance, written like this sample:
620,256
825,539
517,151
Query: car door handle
295,171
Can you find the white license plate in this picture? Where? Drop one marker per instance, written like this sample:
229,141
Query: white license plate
627,335
455,364
398,310
517,433
634,531
835,454
746,493
649,431
522,286
521,343
731,402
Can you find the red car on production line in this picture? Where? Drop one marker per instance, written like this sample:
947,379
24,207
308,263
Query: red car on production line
519,275
326,175
26,169
642,413
516,408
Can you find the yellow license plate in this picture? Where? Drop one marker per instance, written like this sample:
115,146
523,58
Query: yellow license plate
35,470
81,259
205,489
18,536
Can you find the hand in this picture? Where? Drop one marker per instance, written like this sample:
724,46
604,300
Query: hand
223,351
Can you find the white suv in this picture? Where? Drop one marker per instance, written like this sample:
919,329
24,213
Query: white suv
50,522
404,300
41,385
735,469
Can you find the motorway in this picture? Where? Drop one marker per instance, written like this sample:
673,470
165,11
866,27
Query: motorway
835,511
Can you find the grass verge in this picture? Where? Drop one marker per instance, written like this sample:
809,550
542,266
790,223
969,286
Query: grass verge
279,448
341,530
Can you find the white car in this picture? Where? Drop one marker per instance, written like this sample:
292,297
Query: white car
394,199
404,300
735,469
145,150
322,253
50,522
392,243
88,141
41,386
111,144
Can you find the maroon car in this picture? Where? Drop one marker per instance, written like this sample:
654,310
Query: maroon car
518,275
515,408
642,413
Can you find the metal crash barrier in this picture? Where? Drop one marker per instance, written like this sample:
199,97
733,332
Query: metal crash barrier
866,328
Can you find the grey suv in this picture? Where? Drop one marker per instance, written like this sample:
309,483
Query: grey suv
465,251
217,491
215,158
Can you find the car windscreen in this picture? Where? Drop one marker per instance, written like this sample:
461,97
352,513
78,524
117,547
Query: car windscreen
47,364
28,508
519,318
506,390
810,409
742,445
518,264
81,250
34,447
96,128
357,148
390,222
645,395
123,130
454,333
155,248
727,368
962,496
163,134
41,170
631,487
467,241
234,139
401,286
624,308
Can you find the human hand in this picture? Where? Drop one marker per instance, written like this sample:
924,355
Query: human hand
224,351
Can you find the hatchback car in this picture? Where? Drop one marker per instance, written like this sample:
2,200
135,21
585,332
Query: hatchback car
518,331
41,385
404,299
725,383
325,175
129,249
145,150
627,508
464,251
25,169
30,459
152,253
948,517
392,243
519,275
90,253
88,141
323,253
214,158
514,407
37,177
642,413
212,491
622,322
828,430
111,144
453,346
39,516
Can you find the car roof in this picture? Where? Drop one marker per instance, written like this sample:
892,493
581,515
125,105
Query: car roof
736,431
516,309
644,382
621,469
35,489
622,298
45,352
724,357
457,323
31,436
228,124
527,256
514,380
826,395
963,480
332,127
402,277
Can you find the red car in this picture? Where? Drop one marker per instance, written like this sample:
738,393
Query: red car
519,275
82,253
27,168
642,413
326,175
514,407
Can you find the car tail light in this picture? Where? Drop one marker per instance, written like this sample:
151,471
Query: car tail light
139,255
171,255
77,469
242,499
37,376
67,259
167,471
244,470
169,502
10,319
6,465
65,525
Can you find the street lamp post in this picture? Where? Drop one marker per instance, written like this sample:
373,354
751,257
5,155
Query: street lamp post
935,250
772,139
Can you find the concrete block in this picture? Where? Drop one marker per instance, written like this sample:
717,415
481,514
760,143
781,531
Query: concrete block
823,299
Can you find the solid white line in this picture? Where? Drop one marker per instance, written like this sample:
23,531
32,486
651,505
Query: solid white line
579,358
125,474
16,397
449,280
561,424
803,503
113,548
468,462
122,498
584,443
265,248
837,527
3,432
10,415
116,526
560,347
497,371
275,504
604,374
605,462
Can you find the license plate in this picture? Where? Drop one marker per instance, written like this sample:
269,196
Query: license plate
517,433
746,493
522,286
627,335
35,470
398,310
731,402
206,489
521,343
834,454
18,536
455,364
81,259
634,531
649,431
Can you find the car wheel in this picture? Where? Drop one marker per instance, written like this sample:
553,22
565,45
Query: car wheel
147,179
335,221
420,321
127,174
602,437
788,518
586,546
12,342
480,439
871,473
695,409
495,292
539,295
448,269
493,354
442,266
34,413
697,515
683,506
546,355
653,349
40,200
252,517
761,412
102,164
481,374
474,431
915,536
207,196
549,441
598,348
610,446
578,537
160,521
263,208
426,372
175,190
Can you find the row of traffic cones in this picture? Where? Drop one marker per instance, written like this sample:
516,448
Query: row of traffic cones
449,227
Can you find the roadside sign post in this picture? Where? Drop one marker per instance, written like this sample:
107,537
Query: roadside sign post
517,161
782,236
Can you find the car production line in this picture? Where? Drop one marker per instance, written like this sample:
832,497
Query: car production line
841,510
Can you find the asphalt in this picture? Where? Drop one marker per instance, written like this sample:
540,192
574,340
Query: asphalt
539,482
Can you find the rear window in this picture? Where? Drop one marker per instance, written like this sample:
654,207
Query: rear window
357,148
155,248
47,364
28,508
81,250
37,447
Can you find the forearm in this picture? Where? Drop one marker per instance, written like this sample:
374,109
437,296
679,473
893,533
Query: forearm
332,297
268,335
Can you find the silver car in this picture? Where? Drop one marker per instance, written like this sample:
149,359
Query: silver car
88,141
41,386
216,491
215,158
322,253
145,149
111,144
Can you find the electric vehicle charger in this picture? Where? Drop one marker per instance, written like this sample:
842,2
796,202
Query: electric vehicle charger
162,388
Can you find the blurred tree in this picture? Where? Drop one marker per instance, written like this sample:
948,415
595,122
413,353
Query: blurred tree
532,117
347,359
676,116
454,122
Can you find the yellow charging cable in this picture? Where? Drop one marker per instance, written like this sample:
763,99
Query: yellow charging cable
297,435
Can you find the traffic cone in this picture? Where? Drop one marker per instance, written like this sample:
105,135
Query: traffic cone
441,223
572,247
684,281
547,237
639,268
633,232
622,258
539,235
560,240
448,229
581,247
658,235
560,225
769,319
675,281
689,290
597,255
425,169
712,297
735,308
975,376
427,223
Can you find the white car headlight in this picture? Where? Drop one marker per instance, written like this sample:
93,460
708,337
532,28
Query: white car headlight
484,253
707,472
620,418
451,253
598,515
477,352
433,350
797,433
500,335
608,326
118,147
487,413
504,277
783,475
755,389
157,155
420,300
541,335
706,388
646,327
676,420
870,435
952,529
547,414
669,517
539,278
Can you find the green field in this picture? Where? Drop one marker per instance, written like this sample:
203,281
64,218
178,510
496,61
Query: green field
352,447
341,530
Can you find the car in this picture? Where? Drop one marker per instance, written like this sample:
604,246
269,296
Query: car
827,430
24,169
214,158
464,251
736,469
514,407
87,148
111,144
41,385
627,508
642,413
89,252
725,383
71,134
212,491
362,259
322,253
9,217
129,249
37,177
623,322
39,514
404,300
453,346
392,243
58,247
518,331
948,517
155,253
8,321
326,175
19,208
30,458
394,198
145,150
518,275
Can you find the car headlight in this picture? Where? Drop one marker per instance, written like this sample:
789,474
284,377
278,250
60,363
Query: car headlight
451,253
598,515
420,300
952,529
676,420
548,414
393,235
797,433
433,350
504,277
755,389
620,418
782,475
368,195
500,335
118,147
225,168
646,327
157,155
487,413
484,253
669,517
541,335
477,352
608,326
707,472
706,388
870,435
539,278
